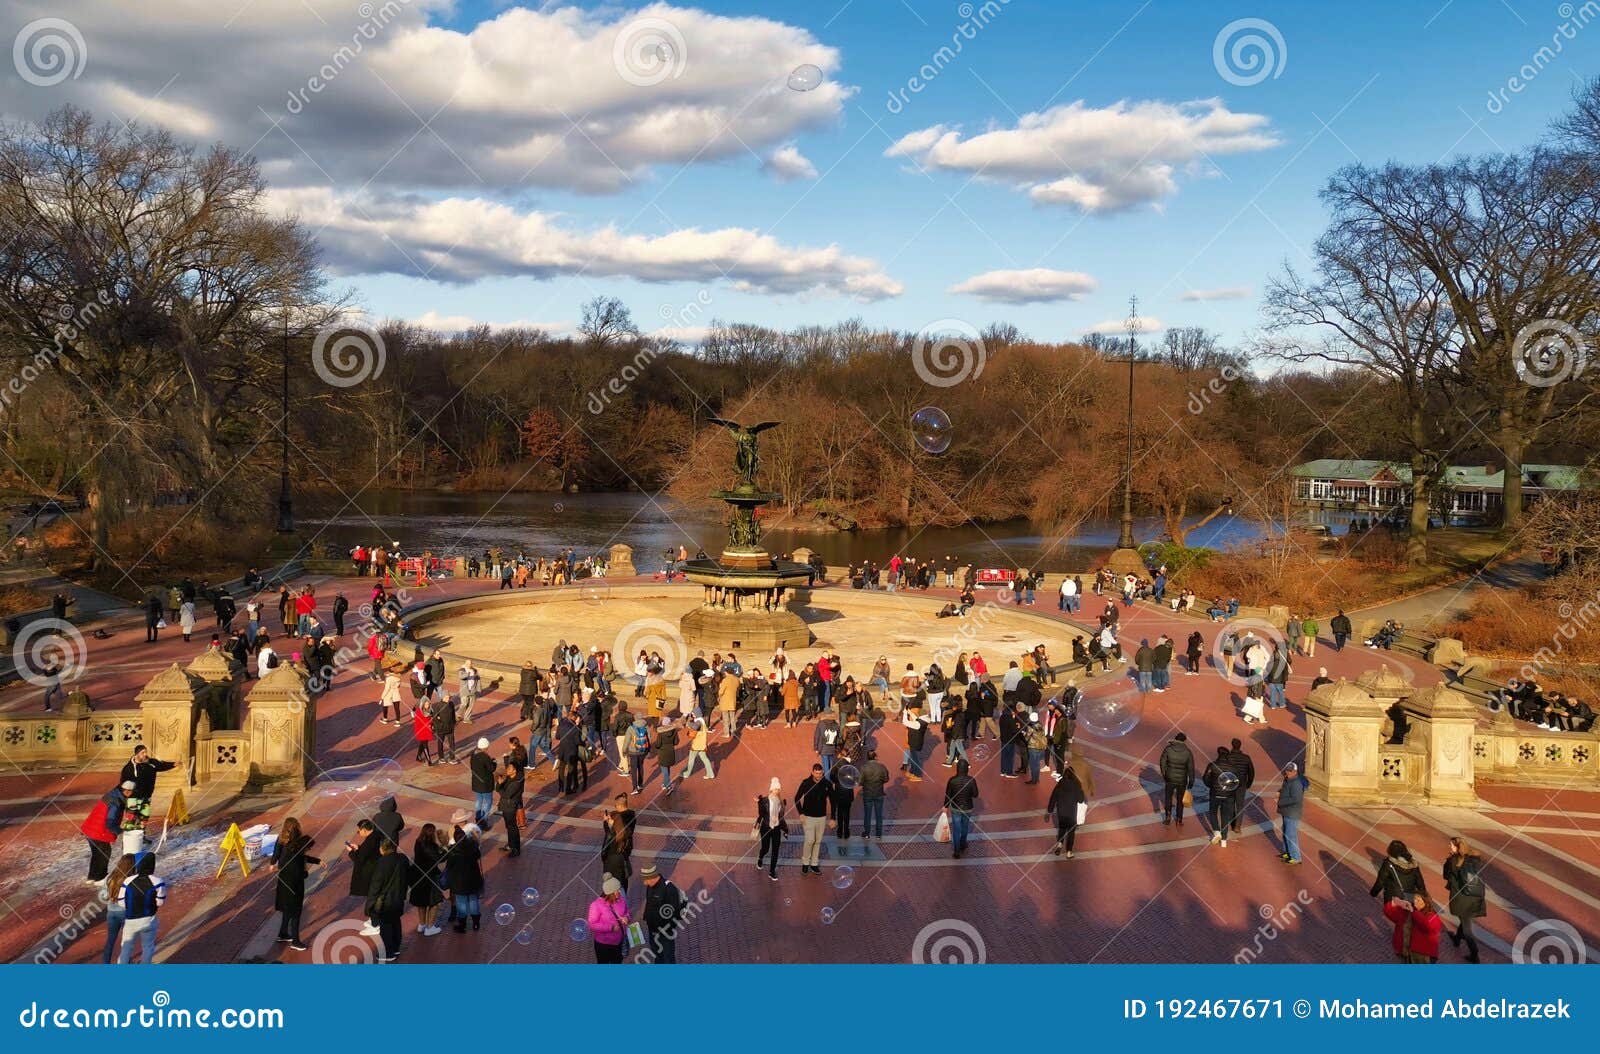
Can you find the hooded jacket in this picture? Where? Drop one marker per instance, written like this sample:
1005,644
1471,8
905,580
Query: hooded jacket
1177,764
1398,877
389,822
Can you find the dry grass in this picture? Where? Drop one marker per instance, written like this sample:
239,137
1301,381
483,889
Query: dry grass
1559,619
158,548
17,599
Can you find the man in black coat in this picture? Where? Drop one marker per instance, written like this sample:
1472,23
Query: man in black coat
960,797
1245,769
664,905
152,615
443,713
569,738
388,822
141,772
386,897
1011,746
1177,776
481,767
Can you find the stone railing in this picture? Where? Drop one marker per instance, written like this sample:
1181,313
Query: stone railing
75,737
1505,751
222,758
1401,771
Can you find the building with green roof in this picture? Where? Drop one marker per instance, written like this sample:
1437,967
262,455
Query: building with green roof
1382,487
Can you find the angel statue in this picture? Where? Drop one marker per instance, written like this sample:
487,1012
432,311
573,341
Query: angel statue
745,458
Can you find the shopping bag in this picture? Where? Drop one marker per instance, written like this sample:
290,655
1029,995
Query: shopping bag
1188,799
635,935
941,829
1083,811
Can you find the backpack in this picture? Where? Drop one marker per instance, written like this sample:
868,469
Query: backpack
139,894
641,739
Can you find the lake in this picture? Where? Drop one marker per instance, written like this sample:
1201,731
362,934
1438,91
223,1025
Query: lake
448,522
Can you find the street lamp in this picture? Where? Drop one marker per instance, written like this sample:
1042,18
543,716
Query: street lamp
1125,558
285,504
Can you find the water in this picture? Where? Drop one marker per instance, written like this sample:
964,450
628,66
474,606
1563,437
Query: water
449,522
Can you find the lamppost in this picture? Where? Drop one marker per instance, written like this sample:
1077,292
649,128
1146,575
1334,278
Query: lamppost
1126,556
285,504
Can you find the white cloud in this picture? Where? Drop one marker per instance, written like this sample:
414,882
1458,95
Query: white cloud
442,323
465,239
1118,327
320,92
1097,159
1232,292
787,163
689,335
1027,287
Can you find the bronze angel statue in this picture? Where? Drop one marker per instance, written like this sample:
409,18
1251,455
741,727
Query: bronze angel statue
745,459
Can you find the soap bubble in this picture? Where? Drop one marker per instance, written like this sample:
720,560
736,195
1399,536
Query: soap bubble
355,788
844,876
530,897
1111,715
980,752
848,776
594,591
578,930
827,916
805,77
788,903
930,426
1227,782
525,935
504,914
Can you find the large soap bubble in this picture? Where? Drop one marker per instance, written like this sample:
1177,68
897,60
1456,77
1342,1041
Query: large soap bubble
805,77
1113,714
931,428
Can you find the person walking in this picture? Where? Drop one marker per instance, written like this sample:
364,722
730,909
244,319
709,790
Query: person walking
916,736
152,618
463,873
960,798
116,912
1195,647
481,770
422,732
1399,877
1308,636
1291,806
663,912
1463,878
638,750
442,717
291,862
1243,766
471,682
102,829
1339,625
608,922
813,800
142,898
699,744
825,741
874,778
1038,743
666,751
427,880
1221,782
386,897
510,784
1177,768
1069,803
771,826
1416,929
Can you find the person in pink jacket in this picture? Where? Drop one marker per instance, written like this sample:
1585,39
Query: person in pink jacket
608,922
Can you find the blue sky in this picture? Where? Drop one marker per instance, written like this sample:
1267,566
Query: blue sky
1377,81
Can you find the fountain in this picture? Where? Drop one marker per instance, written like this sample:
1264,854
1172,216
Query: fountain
746,591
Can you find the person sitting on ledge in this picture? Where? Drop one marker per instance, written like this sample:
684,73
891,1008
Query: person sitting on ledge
1215,611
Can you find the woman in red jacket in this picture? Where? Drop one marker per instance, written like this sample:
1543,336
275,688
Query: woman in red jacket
1416,929
422,729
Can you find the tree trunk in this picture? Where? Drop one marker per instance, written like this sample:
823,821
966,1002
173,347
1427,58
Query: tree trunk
1511,445
1417,535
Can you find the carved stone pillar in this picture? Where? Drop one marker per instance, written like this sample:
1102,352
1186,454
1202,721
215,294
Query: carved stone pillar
220,688
281,720
621,565
167,705
1443,721
1343,725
